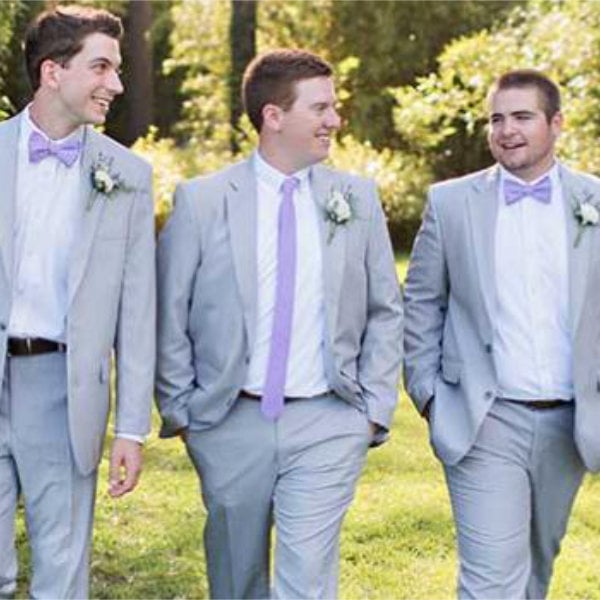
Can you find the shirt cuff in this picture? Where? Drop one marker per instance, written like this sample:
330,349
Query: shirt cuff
140,439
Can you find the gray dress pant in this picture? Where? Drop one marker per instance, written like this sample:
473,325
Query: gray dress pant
300,473
511,497
36,461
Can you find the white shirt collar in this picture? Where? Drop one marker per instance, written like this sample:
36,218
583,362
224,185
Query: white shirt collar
272,176
552,172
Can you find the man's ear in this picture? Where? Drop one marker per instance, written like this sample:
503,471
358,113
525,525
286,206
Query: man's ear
50,74
272,117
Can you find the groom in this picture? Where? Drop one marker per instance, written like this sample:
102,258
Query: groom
502,342
279,337
76,283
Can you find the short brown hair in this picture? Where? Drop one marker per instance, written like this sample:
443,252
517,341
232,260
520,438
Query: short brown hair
530,78
58,35
271,77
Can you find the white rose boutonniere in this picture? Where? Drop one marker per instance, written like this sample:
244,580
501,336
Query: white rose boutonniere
586,213
105,181
339,209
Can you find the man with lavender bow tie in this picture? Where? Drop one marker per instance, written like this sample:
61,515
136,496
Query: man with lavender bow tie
501,342
279,338
76,283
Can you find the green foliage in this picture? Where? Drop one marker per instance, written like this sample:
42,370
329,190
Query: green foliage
9,11
397,541
394,42
443,116
199,47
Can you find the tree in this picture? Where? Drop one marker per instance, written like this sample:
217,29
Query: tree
242,39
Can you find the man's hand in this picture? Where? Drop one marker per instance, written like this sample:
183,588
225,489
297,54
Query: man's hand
125,466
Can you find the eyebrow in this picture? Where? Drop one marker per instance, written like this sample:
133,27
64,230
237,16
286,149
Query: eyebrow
515,113
104,60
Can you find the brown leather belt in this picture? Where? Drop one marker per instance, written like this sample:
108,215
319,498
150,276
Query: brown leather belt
540,404
30,346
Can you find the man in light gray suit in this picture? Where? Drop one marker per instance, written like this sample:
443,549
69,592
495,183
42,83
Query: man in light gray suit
279,337
76,282
502,342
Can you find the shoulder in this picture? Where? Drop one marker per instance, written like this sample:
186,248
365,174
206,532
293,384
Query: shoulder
119,153
214,187
580,178
458,185
355,182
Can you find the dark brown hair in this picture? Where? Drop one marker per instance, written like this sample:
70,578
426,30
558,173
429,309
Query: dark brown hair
271,77
529,78
58,35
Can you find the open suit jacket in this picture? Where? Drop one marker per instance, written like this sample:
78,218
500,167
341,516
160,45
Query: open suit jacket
450,300
111,289
207,269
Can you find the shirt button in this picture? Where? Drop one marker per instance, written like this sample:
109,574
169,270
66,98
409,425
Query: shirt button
489,395
2,326
488,348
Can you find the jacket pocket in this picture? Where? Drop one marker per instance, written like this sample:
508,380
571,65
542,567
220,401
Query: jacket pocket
451,370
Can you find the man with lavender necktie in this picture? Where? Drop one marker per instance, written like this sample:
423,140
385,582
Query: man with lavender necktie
279,338
77,285
502,342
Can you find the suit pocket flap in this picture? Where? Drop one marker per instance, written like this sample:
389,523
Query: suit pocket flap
451,370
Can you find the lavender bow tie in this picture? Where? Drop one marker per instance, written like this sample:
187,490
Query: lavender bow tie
515,191
41,147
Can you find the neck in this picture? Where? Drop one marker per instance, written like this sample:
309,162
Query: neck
49,120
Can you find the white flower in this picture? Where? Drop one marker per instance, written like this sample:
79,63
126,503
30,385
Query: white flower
105,181
338,208
102,181
589,214
586,213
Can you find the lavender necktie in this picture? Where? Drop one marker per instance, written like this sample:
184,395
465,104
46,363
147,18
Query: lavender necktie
273,391
515,191
41,147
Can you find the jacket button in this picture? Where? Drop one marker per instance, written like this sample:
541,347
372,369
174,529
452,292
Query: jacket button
2,326
489,395
488,348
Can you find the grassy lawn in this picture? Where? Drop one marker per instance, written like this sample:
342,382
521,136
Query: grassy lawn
398,539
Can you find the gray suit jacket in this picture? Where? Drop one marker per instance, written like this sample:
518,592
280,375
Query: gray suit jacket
111,294
450,297
208,295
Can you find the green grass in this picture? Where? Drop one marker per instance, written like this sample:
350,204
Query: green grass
397,542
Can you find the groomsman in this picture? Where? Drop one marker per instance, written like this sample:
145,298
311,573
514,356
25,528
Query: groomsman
76,282
502,352
279,337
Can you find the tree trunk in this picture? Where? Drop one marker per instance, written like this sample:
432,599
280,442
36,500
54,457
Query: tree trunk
242,40
139,95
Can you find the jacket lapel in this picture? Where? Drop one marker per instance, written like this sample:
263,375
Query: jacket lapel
574,190
242,207
333,249
483,213
84,236
9,144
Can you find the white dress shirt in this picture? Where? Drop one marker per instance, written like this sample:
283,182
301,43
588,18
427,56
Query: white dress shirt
306,366
47,212
533,347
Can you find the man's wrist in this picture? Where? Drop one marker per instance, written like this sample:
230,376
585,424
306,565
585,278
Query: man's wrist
131,437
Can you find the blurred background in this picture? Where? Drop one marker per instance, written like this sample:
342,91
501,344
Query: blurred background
412,78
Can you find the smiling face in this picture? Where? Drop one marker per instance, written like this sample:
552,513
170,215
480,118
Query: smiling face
301,135
520,136
82,90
